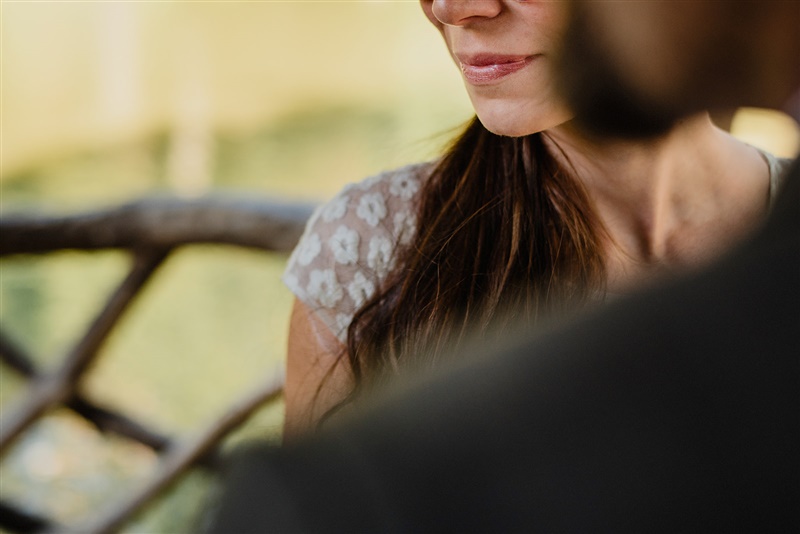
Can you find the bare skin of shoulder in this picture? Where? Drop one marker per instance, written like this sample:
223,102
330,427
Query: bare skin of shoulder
317,377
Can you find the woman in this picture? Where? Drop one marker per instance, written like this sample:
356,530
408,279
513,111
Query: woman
523,217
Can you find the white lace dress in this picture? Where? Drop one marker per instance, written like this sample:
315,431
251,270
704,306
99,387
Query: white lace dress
349,244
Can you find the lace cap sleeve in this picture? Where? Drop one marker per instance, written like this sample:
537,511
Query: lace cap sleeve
349,245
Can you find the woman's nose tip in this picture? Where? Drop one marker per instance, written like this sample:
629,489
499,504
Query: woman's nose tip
458,12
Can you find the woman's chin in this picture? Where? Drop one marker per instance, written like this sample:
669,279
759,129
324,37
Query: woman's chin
521,120
508,128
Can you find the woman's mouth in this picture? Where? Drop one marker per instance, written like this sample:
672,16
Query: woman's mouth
484,69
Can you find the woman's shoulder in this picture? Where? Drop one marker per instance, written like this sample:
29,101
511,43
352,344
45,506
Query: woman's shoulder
403,182
379,204
349,244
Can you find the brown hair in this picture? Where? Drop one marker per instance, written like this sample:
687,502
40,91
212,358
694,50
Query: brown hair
505,235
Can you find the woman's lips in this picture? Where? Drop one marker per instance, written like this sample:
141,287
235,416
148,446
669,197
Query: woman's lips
485,69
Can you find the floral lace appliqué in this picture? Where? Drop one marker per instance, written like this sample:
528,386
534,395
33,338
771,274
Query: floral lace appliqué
309,249
349,245
344,245
372,208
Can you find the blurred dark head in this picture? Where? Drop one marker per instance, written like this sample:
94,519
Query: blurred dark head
631,69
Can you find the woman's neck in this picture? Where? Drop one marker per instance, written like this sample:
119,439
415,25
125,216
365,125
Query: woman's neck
673,201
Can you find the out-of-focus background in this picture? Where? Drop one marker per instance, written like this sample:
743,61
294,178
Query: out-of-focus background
103,102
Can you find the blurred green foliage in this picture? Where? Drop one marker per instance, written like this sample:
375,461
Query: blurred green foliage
209,325
288,100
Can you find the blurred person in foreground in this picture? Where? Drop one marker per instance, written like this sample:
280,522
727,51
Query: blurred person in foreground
674,409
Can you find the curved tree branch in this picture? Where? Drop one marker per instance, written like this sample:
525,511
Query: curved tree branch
185,454
102,418
150,228
55,388
160,223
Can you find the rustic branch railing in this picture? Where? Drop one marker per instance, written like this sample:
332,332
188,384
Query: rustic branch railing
151,229
160,223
